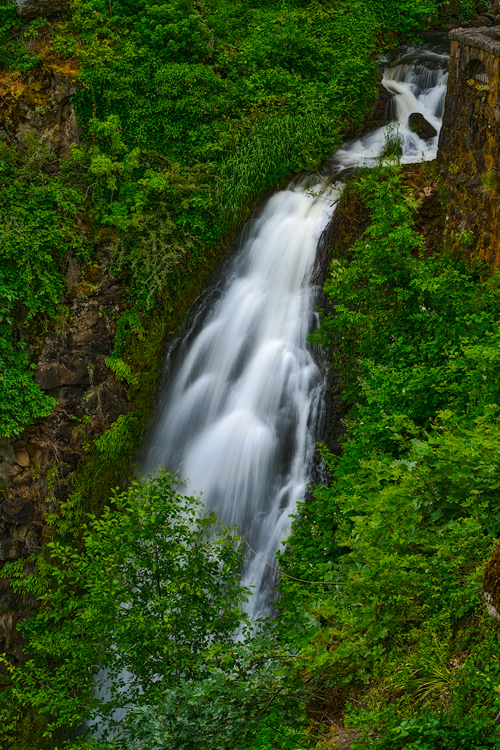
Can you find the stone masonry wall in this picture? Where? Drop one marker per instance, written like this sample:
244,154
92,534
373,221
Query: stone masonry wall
469,145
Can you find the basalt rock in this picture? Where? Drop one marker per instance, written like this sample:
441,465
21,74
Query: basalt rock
421,127
38,467
17,510
39,102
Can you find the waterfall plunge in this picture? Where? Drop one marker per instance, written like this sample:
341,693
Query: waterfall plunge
240,414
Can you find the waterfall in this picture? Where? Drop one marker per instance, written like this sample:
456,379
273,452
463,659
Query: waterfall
243,395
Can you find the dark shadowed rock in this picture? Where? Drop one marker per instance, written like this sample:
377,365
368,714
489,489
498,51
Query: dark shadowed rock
491,585
10,549
421,127
16,510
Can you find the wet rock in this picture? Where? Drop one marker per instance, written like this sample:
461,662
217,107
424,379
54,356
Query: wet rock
51,375
469,150
109,400
19,533
77,357
17,510
421,127
12,640
7,454
34,8
482,21
73,273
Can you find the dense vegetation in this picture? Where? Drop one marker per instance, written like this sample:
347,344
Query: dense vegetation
191,112
404,646
392,648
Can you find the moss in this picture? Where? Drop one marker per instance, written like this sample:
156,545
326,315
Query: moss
92,274
82,290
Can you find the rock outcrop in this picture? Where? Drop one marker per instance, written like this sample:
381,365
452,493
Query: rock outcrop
491,585
37,467
421,127
40,102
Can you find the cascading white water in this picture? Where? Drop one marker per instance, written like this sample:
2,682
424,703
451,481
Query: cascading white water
418,84
238,421
240,416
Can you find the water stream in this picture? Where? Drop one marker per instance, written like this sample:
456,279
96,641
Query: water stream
239,412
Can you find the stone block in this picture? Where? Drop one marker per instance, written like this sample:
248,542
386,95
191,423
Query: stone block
22,459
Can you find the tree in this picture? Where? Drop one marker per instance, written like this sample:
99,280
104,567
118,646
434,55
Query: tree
153,596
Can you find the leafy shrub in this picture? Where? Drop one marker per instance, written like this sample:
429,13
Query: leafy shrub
154,591
412,508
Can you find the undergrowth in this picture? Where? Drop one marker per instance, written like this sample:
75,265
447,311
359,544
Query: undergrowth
402,651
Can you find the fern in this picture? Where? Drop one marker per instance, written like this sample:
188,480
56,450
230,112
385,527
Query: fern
121,369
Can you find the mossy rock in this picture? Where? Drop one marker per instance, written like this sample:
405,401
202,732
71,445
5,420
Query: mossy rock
491,584
419,125
83,290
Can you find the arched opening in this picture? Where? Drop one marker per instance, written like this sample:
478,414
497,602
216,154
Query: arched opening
476,70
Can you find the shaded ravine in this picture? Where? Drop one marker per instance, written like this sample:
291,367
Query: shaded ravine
243,393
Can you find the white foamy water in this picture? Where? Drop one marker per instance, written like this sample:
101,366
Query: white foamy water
238,420
239,416
418,84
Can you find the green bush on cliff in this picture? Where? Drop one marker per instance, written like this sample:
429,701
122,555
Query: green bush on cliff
411,512
192,111
39,207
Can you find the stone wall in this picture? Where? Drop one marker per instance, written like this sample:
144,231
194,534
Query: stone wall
469,145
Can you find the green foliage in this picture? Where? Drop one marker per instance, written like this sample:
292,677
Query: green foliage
412,509
245,702
120,439
16,39
154,592
38,210
192,111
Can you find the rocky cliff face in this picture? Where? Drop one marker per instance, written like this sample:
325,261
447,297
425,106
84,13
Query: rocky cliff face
38,467
40,102
469,147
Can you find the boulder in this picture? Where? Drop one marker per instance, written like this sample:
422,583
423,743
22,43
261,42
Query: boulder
23,459
34,8
482,20
421,127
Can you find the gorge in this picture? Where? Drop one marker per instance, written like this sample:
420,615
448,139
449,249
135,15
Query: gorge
135,144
